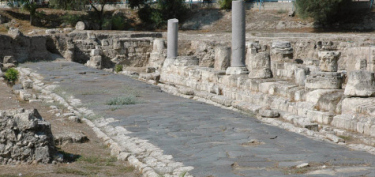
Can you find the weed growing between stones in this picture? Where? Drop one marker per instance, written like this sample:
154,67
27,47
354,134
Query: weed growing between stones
99,161
11,75
118,68
124,100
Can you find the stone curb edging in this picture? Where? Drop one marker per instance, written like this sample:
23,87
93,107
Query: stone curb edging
144,156
323,135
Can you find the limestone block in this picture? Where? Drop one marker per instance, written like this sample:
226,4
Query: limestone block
280,44
116,44
9,59
95,62
95,52
259,65
315,95
345,121
300,76
68,30
7,66
328,61
69,55
320,117
186,61
324,80
27,84
269,113
360,83
352,105
222,57
52,31
24,95
158,45
267,87
80,25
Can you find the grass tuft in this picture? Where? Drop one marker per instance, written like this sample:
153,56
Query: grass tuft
124,100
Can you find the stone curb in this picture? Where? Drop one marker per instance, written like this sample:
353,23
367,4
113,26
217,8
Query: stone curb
144,156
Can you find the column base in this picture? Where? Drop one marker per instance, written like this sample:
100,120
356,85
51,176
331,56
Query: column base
237,70
168,61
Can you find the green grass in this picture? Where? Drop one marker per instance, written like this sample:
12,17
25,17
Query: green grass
346,138
98,161
123,100
125,169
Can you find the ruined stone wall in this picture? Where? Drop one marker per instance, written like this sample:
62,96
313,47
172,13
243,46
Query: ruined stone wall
24,48
304,46
319,83
129,49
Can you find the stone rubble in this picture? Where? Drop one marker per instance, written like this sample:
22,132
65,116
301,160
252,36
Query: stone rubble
25,138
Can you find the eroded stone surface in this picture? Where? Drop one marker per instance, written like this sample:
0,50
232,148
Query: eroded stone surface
361,84
25,137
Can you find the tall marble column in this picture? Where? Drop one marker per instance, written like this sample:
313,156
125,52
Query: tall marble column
172,42
172,38
237,65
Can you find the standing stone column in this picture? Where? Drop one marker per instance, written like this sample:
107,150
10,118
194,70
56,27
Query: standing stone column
237,65
172,44
172,38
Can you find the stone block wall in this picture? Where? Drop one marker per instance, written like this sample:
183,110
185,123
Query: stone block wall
315,88
23,48
129,49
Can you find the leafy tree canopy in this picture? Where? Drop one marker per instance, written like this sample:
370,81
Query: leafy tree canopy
323,11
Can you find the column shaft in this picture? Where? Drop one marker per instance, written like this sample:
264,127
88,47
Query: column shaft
172,38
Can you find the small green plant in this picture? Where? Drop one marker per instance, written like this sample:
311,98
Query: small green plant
124,100
346,138
11,75
118,23
118,68
225,4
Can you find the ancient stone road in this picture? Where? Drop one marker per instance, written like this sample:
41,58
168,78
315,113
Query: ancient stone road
216,142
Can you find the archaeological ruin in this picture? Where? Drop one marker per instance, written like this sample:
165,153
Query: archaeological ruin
318,85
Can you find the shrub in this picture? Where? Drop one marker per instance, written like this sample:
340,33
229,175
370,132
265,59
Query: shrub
118,23
164,10
145,14
11,75
71,19
323,11
225,4
125,100
118,68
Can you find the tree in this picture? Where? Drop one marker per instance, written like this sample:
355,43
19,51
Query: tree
31,7
99,10
165,9
68,4
322,11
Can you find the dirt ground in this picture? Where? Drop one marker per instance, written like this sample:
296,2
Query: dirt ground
91,158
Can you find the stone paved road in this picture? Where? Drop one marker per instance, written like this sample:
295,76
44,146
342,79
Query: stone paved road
214,141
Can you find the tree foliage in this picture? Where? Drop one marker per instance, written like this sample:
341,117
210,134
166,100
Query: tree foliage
322,11
164,10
